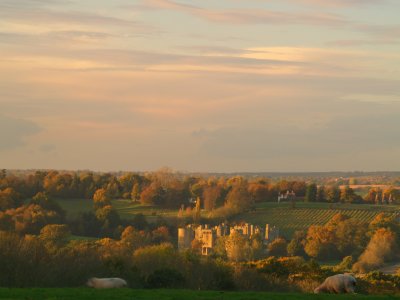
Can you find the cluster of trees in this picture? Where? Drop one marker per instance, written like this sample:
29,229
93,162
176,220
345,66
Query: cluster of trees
29,218
145,259
164,187
334,194
362,246
331,194
368,245
52,259
103,221
170,189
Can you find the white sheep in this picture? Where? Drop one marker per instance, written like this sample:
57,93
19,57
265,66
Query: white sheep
337,284
106,283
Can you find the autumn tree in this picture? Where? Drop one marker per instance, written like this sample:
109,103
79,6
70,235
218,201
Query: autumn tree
133,239
101,198
135,193
348,195
381,248
239,198
55,234
320,243
210,196
259,191
9,198
238,247
332,194
153,194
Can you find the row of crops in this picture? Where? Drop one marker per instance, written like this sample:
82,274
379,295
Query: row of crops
288,220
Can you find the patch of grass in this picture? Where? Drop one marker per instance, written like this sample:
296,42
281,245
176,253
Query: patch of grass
125,294
126,208
74,207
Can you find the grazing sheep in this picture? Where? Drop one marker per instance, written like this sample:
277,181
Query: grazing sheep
106,283
337,284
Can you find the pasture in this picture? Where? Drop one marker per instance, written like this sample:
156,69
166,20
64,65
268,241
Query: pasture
125,294
125,208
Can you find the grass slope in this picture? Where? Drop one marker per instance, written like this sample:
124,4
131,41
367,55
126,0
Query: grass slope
125,294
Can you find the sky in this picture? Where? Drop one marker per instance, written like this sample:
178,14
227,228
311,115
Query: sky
200,85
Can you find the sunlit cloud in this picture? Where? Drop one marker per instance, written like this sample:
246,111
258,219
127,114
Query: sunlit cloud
247,16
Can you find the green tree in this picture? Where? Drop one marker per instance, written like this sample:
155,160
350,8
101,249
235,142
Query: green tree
311,193
320,197
109,217
47,203
296,245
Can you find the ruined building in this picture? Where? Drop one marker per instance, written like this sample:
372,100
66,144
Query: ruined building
207,235
271,233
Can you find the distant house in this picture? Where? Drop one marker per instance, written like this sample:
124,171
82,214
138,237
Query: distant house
288,196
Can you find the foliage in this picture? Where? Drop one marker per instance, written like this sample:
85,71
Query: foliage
278,247
101,198
311,193
332,240
381,248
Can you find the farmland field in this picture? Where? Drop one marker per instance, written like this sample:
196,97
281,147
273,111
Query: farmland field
289,219
125,294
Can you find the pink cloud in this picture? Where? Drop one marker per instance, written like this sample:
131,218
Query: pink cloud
247,16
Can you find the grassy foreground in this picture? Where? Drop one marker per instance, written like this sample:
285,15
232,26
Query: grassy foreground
124,294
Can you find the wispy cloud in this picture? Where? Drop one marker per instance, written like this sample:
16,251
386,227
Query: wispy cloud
247,16
339,3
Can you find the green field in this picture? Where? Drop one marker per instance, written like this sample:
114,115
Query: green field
125,294
282,215
125,208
